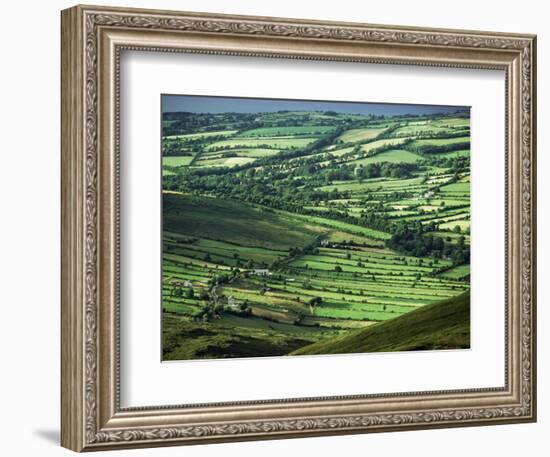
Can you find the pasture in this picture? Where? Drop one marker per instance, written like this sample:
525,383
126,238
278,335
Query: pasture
224,161
298,230
360,135
267,142
392,156
176,161
313,130
202,135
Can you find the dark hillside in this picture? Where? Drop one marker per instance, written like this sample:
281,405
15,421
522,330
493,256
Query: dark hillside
443,325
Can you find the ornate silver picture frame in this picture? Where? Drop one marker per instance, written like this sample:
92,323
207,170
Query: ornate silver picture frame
93,39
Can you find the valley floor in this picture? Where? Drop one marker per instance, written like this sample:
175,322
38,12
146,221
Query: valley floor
309,228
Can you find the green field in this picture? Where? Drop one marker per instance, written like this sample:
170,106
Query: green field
442,141
461,153
250,152
310,232
360,135
444,325
224,161
193,136
393,156
271,142
366,147
313,130
458,272
232,222
176,161
416,130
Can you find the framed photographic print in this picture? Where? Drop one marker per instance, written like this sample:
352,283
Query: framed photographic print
291,226
276,228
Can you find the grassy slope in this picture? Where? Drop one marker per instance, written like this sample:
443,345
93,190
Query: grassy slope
444,325
232,337
231,222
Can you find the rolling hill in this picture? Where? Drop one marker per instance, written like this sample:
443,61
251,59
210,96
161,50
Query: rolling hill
290,231
233,222
443,325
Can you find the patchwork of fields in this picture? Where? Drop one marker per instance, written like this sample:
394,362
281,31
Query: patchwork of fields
288,229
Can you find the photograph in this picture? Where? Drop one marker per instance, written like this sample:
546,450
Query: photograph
279,227
309,227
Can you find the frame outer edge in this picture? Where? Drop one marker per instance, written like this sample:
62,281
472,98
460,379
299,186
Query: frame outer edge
533,251
79,232
72,228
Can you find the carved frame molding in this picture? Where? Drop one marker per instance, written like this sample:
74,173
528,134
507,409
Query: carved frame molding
92,40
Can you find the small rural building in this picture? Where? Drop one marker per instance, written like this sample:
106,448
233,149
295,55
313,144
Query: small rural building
260,272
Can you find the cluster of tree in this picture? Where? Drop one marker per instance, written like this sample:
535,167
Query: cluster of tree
312,132
341,173
387,170
415,240
178,146
357,153
435,148
449,132
455,164
290,181
208,312
175,147
459,112
240,146
326,174
228,154
264,188
315,301
305,118
322,142
308,249
180,123
271,164
220,279
243,309
179,291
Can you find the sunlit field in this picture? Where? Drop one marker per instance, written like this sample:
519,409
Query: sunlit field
296,232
